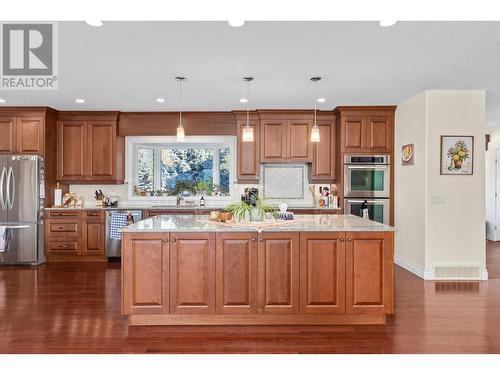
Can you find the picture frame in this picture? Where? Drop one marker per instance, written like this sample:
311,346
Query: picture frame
407,154
457,155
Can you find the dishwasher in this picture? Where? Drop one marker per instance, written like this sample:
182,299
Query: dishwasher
114,246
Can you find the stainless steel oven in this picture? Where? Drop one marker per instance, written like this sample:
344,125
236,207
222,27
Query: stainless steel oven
378,209
367,176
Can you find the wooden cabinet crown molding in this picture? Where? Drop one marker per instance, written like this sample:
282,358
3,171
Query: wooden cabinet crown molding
88,115
27,111
378,110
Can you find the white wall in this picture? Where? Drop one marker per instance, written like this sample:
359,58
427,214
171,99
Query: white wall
409,184
456,229
493,146
451,232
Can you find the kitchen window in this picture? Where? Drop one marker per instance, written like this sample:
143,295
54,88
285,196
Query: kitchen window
200,166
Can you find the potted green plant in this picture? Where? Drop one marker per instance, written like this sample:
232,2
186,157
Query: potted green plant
241,210
262,207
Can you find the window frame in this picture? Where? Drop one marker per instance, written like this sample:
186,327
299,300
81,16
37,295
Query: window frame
132,143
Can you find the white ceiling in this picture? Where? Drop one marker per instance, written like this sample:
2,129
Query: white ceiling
127,65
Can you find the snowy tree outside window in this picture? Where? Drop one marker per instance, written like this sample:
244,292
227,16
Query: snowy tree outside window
168,169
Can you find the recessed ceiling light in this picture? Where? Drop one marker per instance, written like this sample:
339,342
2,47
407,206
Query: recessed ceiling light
387,23
243,100
236,23
160,100
80,101
321,100
2,101
95,23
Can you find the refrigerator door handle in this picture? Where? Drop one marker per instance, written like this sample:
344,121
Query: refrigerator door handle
10,202
2,178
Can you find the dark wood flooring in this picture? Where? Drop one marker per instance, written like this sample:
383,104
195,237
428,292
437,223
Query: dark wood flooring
75,308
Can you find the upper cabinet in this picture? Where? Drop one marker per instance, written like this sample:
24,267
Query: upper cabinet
248,158
324,158
285,136
22,133
366,129
89,149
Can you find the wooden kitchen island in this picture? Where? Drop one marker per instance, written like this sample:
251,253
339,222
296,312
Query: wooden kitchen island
321,269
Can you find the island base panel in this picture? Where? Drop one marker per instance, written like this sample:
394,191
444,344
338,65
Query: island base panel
285,319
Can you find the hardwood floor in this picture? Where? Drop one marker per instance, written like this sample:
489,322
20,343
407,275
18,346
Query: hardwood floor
74,308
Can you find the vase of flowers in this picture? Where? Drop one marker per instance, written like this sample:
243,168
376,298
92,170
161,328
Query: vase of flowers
458,153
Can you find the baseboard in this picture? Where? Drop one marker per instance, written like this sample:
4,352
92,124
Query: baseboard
409,266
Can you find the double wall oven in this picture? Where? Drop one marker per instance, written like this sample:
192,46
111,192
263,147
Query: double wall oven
368,178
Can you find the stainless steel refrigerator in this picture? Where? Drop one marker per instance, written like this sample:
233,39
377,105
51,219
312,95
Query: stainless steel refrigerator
22,199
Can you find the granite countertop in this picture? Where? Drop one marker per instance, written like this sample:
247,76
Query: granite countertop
167,207
304,223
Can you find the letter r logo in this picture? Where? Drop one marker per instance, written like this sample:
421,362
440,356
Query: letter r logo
27,49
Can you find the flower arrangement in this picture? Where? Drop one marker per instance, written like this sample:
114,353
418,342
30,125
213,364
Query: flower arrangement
458,153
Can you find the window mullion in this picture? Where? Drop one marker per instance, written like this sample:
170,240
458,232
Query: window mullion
157,168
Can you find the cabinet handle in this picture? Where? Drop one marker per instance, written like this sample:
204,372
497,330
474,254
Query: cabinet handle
60,228
261,240
254,239
165,240
341,240
349,239
174,240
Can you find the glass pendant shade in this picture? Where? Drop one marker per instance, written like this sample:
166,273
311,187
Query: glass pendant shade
247,134
181,137
315,134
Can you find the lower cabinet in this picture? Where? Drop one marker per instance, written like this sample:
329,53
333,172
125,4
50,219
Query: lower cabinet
76,235
145,273
278,273
322,272
192,273
307,274
369,272
236,273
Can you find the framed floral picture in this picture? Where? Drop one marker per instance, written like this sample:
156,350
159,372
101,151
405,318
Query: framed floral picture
457,154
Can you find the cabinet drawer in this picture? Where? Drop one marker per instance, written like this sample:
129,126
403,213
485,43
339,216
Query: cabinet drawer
94,216
66,228
60,214
63,247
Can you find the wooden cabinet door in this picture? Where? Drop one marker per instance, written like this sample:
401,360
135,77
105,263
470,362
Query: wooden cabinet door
145,270
273,141
93,238
236,273
322,272
323,162
278,273
192,273
71,149
378,134
101,148
369,272
248,160
353,133
299,145
30,135
7,135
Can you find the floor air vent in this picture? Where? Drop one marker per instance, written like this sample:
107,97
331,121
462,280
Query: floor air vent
457,272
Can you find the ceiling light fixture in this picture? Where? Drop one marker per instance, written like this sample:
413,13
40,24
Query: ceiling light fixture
243,100
236,23
95,23
181,135
247,134
160,100
315,129
2,101
321,100
387,23
80,101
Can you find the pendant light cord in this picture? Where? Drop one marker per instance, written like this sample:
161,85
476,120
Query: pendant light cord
248,103
180,102
315,102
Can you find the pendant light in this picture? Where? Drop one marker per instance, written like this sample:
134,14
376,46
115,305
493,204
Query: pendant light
315,129
247,134
181,136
